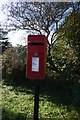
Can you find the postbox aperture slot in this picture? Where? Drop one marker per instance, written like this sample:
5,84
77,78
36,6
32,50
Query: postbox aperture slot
36,44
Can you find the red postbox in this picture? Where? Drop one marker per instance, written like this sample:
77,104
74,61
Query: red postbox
36,57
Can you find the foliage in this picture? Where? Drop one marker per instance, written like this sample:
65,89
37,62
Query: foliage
4,39
71,30
71,35
3,33
14,60
72,27
62,56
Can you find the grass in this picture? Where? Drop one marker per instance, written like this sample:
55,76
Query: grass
54,103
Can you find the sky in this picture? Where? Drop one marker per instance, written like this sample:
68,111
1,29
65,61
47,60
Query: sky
18,37
15,37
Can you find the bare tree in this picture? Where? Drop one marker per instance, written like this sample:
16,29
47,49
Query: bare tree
41,17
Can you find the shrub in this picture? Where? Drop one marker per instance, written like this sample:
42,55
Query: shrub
14,60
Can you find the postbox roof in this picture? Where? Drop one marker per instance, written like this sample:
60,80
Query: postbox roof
37,39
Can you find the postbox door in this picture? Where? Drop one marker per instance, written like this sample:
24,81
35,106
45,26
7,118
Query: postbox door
36,65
